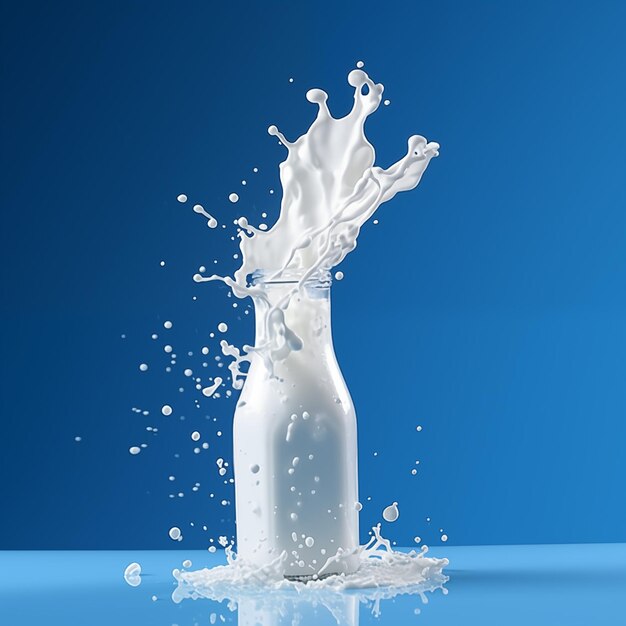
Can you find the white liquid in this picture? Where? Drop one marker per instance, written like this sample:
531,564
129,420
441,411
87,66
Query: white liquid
211,221
387,572
132,574
331,187
211,389
391,513
305,481
295,402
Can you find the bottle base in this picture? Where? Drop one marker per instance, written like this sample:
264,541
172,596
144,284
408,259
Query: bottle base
305,578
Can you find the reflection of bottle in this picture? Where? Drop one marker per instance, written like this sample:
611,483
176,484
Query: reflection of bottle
295,442
286,609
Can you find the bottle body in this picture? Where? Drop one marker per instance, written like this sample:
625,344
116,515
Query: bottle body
295,449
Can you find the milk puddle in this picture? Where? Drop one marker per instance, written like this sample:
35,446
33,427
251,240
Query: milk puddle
383,574
331,188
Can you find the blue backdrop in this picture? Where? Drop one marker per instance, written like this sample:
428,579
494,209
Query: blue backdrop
488,306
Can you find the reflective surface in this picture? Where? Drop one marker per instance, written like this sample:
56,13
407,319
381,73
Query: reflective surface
510,585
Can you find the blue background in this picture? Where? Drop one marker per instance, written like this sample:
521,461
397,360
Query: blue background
488,306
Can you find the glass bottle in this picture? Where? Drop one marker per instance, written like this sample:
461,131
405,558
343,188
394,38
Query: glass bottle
295,446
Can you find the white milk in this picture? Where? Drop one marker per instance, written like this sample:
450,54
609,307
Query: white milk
295,445
295,428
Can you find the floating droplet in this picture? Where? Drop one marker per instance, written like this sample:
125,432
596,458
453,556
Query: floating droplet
391,513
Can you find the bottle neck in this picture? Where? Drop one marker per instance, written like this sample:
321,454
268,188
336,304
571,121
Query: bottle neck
304,307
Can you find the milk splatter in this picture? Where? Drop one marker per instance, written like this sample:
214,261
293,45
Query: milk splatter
388,572
391,513
211,221
331,187
132,574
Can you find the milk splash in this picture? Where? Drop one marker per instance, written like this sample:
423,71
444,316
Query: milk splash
383,574
331,187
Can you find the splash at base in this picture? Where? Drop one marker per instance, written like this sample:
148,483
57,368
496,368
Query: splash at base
383,574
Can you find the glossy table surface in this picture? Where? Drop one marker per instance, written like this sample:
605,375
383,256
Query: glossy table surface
551,584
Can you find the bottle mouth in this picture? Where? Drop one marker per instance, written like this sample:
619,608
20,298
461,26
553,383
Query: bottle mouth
321,278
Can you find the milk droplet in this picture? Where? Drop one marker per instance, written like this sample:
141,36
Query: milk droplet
167,348
162,263
187,563
134,450
222,327
387,103
211,389
143,367
255,468
195,435
174,533
166,409
417,539
294,517
444,538
233,197
339,275
167,324
391,513
205,350
360,64
309,541
358,506
188,373
418,429
77,439
132,574
182,198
